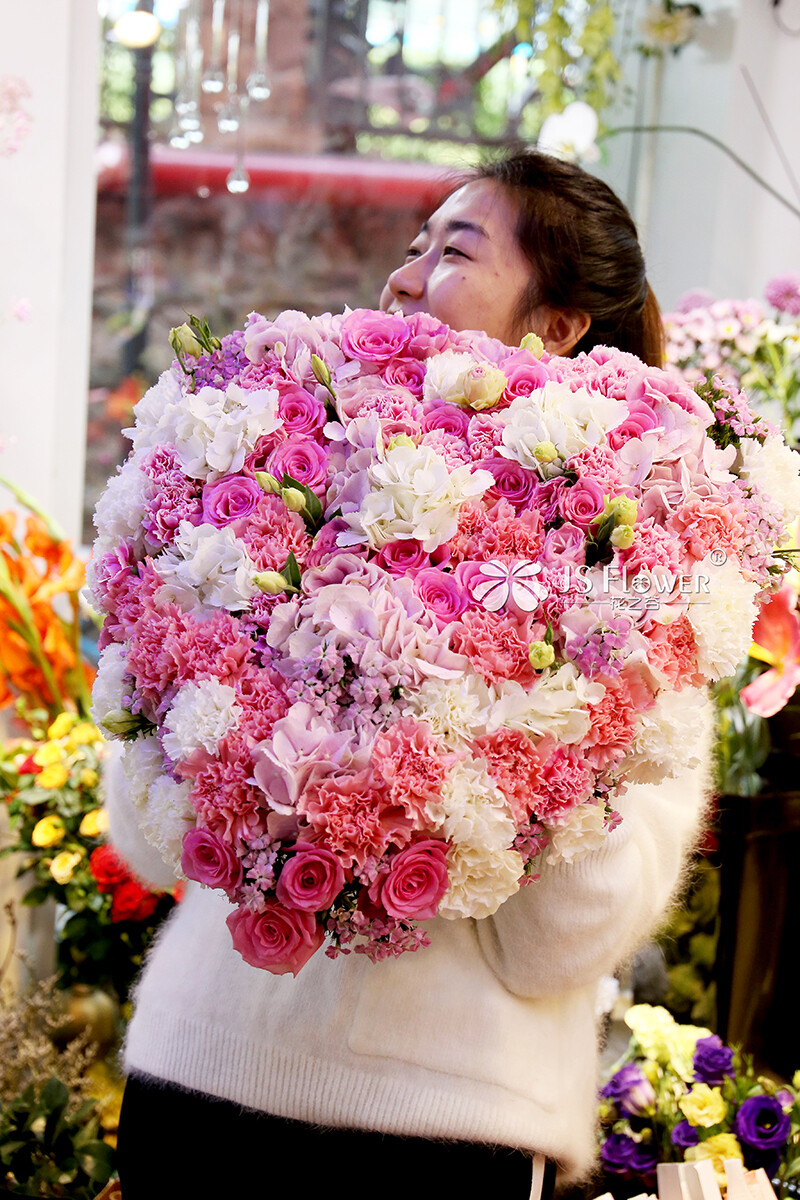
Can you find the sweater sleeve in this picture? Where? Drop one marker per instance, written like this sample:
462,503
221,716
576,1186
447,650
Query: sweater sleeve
125,831
581,919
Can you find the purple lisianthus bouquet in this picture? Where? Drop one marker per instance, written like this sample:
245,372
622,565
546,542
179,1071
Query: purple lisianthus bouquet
391,612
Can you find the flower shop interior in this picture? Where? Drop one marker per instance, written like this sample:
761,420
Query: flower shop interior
175,165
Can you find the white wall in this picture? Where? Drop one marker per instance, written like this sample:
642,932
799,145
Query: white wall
47,204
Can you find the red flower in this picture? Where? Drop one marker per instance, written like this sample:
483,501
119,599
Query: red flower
108,868
132,902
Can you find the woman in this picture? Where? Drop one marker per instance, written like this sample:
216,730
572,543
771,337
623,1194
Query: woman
450,1069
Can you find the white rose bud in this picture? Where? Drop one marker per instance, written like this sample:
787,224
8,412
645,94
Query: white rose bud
534,343
483,386
541,655
545,452
401,439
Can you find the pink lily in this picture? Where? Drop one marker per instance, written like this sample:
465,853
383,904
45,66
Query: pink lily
776,641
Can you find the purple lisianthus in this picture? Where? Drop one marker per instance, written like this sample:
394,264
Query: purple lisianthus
712,1061
617,1152
229,499
761,1124
685,1135
644,1159
631,1090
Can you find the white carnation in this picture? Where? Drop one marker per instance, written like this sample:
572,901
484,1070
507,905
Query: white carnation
722,610
583,829
669,737
472,810
108,690
157,413
414,494
480,881
445,376
572,420
773,468
121,508
200,715
558,704
457,710
142,764
208,566
166,817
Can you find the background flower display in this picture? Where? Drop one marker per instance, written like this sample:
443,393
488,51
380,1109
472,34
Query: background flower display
680,1095
369,633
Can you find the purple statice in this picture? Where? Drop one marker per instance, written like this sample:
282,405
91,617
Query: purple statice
713,1060
631,1091
218,369
173,496
783,292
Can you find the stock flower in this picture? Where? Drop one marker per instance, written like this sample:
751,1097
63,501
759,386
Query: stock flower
48,831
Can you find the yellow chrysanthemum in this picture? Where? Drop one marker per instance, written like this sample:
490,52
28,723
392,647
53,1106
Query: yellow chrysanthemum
717,1148
703,1106
48,832
54,776
63,865
47,754
62,725
94,823
88,777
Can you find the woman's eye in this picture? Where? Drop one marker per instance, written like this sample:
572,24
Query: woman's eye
454,250
412,252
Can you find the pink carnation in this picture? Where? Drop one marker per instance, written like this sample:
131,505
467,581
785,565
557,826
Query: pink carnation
224,796
783,291
614,721
703,526
355,815
567,781
515,765
495,646
672,650
407,758
272,533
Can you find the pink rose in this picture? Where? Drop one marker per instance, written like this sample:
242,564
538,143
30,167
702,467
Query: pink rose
304,460
311,879
581,503
512,481
525,374
406,372
448,417
279,940
407,557
441,593
229,499
373,337
210,860
303,415
415,883
639,420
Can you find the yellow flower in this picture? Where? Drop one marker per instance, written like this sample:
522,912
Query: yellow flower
649,1024
717,1148
94,823
62,725
484,385
47,754
63,865
54,776
84,734
88,777
48,832
703,1106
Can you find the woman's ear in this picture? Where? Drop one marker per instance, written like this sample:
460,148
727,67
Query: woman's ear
559,328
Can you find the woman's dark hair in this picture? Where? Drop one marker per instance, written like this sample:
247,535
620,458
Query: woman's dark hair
581,241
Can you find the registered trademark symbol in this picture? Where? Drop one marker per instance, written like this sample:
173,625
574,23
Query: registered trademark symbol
718,557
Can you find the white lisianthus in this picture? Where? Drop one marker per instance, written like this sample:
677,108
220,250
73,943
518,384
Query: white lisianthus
722,610
558,704
554,413
669,737
121,508
773,468
208,566
480,881
472,810
414,494
583,829
199,716
214,431
108,690
166,817
457,710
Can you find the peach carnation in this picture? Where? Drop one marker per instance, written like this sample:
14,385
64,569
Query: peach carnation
356,815
672,650
494,646
406,757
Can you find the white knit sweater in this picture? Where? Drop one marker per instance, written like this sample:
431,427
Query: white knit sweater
487,1035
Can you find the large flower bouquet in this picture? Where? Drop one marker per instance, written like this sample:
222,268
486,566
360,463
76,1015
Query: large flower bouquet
392,611
680,1095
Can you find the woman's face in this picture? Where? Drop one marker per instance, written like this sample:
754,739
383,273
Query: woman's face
465,266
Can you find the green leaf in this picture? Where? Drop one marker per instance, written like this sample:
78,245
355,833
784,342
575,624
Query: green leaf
54,1094
291,572
36,895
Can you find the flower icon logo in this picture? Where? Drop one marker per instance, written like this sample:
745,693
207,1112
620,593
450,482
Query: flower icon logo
497,584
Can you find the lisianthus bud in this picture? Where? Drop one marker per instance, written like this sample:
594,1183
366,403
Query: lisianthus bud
321,372
541,655
483,386
268,483
625,510
49,831
63,865
271,582
622,536
294,499
401,439
534,343
183,341
121,722
545,452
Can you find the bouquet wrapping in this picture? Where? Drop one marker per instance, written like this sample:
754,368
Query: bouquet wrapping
393,613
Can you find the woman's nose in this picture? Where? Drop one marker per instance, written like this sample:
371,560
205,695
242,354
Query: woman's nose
408,281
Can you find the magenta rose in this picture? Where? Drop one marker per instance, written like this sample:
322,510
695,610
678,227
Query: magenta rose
304,459
441,593
512,481
403,558
582,502
210,860
229,499
279,940
406,372
545,498
639,420
450,418
303,415
373,337
311,879
415,883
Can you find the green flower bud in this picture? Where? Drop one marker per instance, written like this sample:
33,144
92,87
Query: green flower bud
183,340
623,536
541,655
268,483
625,510
534,343
294,499
401,439
271,582
545,452
321,372
121,722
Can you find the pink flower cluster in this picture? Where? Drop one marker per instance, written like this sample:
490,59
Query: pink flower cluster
402,606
